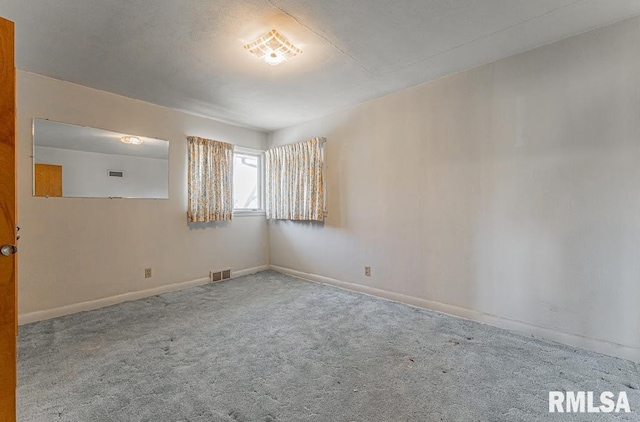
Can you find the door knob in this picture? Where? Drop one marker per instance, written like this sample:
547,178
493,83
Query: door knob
8,250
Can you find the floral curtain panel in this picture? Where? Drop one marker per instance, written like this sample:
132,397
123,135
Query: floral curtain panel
210,176
295,181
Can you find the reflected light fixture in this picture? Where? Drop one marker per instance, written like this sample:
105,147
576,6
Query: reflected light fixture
273,48
132,140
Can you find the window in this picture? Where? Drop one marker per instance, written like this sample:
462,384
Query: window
247,180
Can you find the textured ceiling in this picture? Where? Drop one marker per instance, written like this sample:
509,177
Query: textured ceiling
188,54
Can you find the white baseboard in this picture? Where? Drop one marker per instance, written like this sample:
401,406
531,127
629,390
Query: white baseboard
125,297
248,271
573,340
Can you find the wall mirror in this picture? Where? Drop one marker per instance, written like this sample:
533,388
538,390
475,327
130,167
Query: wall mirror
84,162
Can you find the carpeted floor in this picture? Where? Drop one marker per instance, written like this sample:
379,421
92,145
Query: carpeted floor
269,347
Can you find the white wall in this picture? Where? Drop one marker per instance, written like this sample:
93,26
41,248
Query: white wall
78,249
511,190
86,174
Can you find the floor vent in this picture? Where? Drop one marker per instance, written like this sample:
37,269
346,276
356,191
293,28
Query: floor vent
219,275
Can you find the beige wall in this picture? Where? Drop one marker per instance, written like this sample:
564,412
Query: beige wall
509,193
76,250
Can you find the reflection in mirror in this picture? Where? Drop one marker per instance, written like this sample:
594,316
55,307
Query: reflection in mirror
77,161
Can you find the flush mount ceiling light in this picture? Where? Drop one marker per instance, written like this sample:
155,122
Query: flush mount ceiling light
133,140
273,48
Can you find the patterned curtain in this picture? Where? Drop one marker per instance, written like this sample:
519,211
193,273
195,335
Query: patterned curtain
210,176
295,181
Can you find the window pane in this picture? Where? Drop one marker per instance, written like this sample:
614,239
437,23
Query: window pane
245,181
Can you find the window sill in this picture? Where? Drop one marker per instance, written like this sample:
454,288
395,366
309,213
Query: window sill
249,213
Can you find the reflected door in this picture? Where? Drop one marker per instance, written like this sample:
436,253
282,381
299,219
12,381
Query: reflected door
48,178
8,327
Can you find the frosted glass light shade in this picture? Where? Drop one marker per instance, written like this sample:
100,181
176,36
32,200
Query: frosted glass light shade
133,140
273,48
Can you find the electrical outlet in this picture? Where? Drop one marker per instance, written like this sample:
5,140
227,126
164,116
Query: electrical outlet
367,271
147,273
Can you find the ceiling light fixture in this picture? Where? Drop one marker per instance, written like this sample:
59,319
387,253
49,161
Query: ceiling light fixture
132,140
273,48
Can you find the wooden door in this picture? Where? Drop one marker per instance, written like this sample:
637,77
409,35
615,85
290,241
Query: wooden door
48,180
8,326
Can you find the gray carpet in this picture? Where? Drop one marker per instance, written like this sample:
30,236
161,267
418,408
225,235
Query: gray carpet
269,347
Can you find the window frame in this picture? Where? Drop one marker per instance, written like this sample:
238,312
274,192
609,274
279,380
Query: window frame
259,154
